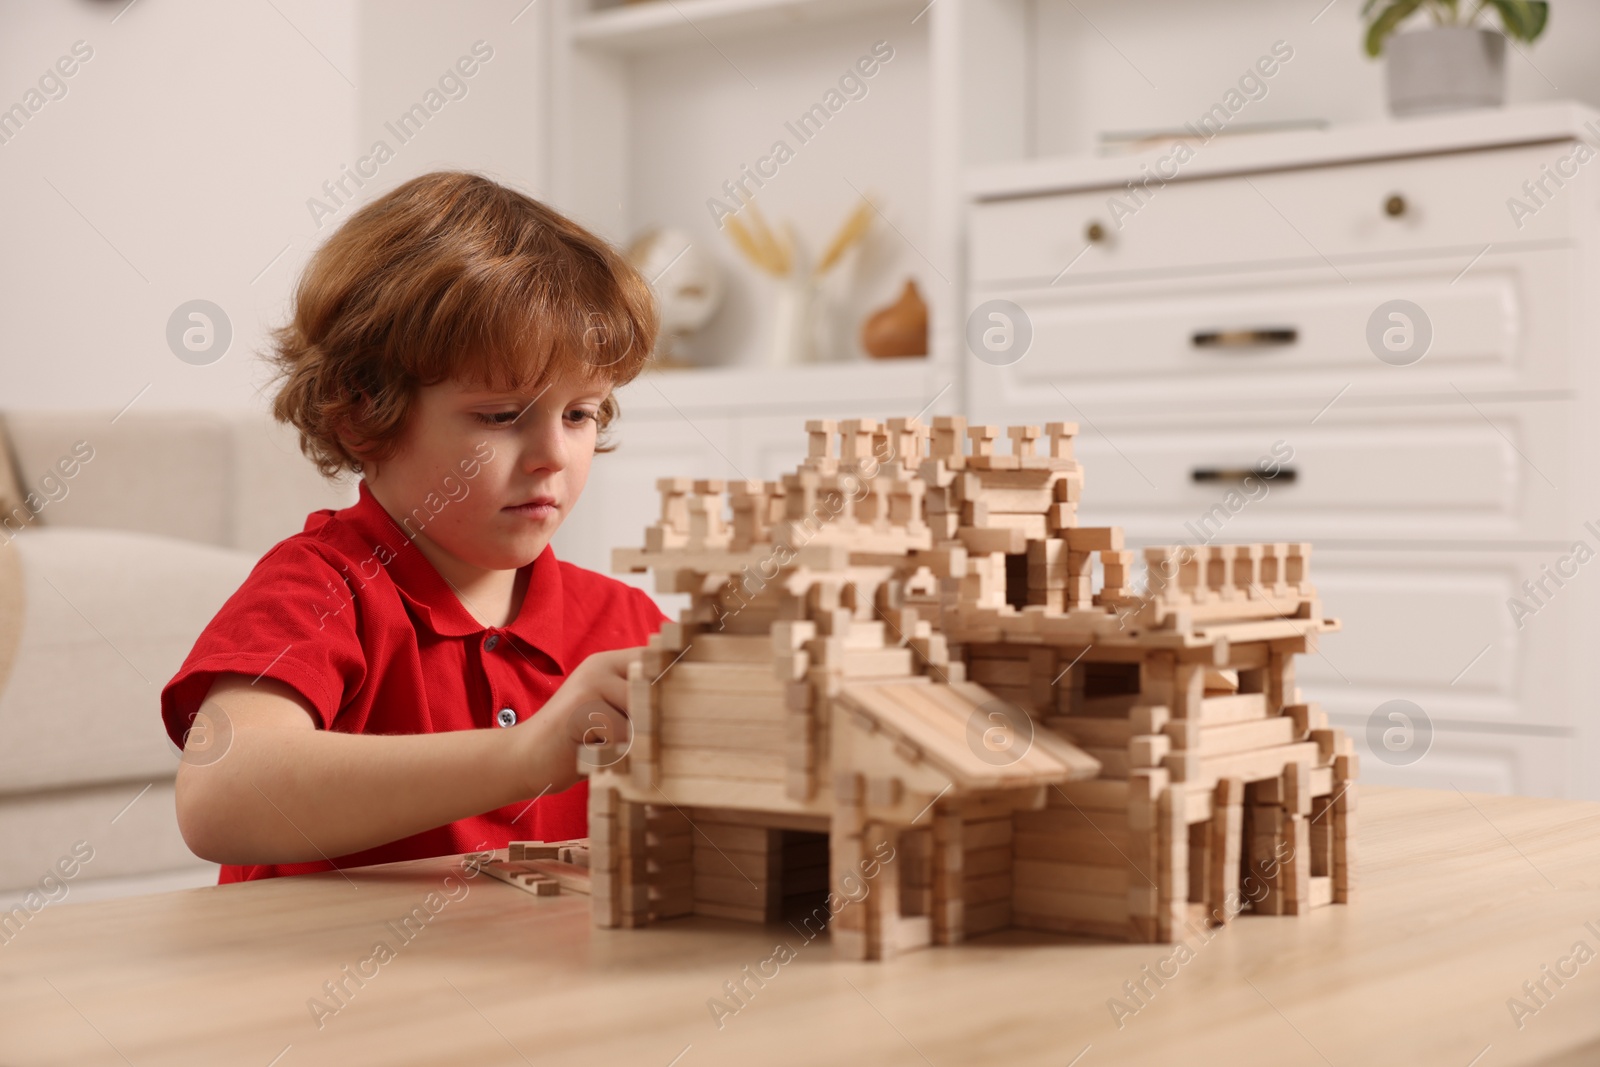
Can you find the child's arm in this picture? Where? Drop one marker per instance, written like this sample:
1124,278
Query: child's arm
284,791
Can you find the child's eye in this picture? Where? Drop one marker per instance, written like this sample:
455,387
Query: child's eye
497,418
577,416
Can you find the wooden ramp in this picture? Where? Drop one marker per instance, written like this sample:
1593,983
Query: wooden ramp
962,733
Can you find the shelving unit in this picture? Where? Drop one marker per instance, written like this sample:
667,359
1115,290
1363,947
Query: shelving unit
656,105
648,27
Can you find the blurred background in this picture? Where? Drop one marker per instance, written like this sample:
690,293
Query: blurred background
1222,237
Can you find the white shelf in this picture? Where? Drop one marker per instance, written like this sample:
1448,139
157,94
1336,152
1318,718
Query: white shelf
1457,132
812,388
656,25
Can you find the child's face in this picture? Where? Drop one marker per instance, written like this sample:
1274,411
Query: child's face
488,477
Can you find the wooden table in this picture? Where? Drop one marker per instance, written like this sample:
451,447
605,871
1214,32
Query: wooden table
1463,898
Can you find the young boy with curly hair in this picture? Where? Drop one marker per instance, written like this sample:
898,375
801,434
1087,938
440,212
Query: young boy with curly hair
412,675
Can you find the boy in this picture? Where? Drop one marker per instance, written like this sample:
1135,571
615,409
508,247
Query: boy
412,675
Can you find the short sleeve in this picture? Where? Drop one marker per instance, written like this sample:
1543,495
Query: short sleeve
293,620
649,612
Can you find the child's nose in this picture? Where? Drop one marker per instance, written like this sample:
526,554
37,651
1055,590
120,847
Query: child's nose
545,447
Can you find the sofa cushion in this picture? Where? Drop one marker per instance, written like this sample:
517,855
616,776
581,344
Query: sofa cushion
107,618
11,609
40,830
10,488
231,479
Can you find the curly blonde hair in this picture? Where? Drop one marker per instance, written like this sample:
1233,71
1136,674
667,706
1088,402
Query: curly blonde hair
449,276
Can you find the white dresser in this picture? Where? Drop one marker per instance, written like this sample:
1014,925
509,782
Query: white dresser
1239,312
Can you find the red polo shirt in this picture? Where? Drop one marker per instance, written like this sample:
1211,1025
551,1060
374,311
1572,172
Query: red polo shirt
351,615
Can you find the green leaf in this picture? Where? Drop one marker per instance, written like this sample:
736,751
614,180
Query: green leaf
1510,16
1386,21
1538,16
1522,19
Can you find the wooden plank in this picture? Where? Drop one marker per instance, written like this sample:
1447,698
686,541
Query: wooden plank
735,891
1238,707
1095,795
989,672
759,735
1225,849
1237,737
1109,931
732,837
1118,705
569,876
516,874
984,918
1073,846
738,864
987,888
1114,762
987,833
1067,904
983,861
746,794
710,763
746,678
730,648
1073,877
1089,732
776,820
887,662
739,912
1248,766
685,703
1052,820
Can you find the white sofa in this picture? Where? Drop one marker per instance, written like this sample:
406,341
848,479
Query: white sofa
101,597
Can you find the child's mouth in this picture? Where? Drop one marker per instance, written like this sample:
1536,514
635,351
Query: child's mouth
538,510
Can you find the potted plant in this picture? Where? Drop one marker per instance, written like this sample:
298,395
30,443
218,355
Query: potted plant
1456,63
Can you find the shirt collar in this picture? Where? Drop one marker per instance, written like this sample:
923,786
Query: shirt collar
540,619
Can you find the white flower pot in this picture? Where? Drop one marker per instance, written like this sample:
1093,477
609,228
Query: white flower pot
1445,68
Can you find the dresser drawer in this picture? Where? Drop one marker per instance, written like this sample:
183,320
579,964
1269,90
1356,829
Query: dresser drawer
1505,324
1434,627
1519,764
1446,473
1450,202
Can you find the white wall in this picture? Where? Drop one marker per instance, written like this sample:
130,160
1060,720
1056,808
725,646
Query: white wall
190,143
180,160
494,125
1119,65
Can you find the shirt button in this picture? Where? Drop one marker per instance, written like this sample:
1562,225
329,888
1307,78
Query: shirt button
490,642
507,717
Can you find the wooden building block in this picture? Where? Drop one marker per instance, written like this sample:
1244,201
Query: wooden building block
1172,864
1295,877
1148,750
1296,788
1226,830
1344,857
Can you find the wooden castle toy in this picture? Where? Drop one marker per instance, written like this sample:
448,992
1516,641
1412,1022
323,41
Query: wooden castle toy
900,706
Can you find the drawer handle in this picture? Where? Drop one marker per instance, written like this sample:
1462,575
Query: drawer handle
1094,233
1395,206
1268,337
1208,475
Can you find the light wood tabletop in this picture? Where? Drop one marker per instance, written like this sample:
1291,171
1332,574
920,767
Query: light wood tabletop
1463,899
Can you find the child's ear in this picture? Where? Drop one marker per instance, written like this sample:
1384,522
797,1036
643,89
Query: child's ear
360,448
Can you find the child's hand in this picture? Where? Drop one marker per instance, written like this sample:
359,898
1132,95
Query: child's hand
586,709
